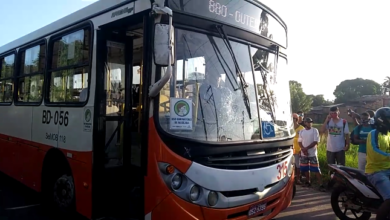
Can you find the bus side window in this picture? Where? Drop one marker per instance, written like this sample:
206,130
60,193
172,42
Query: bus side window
7,69
69,67
29,82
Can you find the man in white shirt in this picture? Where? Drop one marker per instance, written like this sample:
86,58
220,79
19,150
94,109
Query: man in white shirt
308,141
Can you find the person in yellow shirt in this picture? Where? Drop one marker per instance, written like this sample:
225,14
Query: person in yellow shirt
297,148
378,159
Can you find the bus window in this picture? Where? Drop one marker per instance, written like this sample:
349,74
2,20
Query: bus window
30,79
70,67
6,75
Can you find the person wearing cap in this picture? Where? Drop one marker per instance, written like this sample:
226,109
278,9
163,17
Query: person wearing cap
308,142
360,136
297,148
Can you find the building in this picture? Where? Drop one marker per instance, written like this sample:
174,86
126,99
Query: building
362,104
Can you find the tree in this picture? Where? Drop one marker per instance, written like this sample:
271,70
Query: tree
299,100
386,85
355,88
318,100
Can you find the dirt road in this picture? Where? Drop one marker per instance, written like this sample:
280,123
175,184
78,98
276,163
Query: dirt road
310,204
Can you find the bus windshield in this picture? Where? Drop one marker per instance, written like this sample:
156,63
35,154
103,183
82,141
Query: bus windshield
205,101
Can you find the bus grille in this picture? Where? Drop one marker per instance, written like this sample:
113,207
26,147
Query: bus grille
247,159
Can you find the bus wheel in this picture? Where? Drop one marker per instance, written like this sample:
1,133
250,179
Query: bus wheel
64,193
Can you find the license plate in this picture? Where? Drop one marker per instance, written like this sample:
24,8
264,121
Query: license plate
256,209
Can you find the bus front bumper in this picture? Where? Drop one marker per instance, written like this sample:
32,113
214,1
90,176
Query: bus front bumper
173,207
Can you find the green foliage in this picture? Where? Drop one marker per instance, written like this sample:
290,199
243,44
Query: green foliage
319,100
354,88
386,85
299,100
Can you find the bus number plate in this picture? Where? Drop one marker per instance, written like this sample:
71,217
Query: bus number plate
256,209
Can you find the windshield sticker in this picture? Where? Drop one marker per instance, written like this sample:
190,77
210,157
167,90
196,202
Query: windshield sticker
180,114
268,129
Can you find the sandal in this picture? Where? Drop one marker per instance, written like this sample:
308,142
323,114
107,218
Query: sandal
307,184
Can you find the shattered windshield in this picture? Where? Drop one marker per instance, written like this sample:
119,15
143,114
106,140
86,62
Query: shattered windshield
273,94
205,99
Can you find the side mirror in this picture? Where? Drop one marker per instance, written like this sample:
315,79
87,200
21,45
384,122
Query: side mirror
163,44
163,49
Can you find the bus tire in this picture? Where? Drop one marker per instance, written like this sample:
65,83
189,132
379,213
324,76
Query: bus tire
58,190
64,193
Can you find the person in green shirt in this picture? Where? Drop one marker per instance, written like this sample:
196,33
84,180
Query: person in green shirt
378,159
360,135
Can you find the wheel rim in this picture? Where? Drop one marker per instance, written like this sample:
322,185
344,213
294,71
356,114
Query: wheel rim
64,191
342,202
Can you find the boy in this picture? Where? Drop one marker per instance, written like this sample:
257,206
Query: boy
308,141
338,137
297,148
360,135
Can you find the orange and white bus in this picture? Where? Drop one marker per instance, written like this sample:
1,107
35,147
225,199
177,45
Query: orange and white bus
161,109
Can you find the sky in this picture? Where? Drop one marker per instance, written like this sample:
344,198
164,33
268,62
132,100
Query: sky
328,41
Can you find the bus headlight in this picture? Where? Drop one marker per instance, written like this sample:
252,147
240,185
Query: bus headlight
194,193
188,190
212,198
177,180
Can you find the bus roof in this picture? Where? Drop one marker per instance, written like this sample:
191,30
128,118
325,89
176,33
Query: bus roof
85,13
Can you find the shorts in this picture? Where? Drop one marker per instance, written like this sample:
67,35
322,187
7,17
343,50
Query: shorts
380,180
309,164
296,157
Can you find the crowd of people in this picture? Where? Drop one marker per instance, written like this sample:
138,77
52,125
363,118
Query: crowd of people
371,132
338,142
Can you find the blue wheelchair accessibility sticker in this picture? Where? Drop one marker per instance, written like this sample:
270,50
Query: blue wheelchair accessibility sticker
268,129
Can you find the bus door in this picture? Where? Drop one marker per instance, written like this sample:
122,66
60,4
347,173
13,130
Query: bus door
120,179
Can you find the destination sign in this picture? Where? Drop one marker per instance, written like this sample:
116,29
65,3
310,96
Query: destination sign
237,13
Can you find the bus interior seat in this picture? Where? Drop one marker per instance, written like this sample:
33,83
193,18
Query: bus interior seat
83,95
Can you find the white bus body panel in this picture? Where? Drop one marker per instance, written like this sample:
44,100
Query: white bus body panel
26,122
16,121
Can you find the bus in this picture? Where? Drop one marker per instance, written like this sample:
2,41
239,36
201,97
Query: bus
161,109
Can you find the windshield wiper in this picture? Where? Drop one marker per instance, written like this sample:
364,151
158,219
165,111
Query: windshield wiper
219,57
244,85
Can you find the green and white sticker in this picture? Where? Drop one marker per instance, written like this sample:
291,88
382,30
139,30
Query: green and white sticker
180,114
87,120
